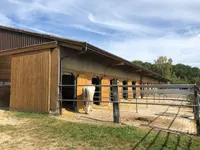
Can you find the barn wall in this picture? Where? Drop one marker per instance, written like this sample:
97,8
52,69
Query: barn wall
30,82
105,91
81,65
130,90
138,89
91,64
149,80
120,90
12,40
5,69
54,78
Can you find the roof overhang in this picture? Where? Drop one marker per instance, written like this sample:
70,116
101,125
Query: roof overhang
79,45
36,47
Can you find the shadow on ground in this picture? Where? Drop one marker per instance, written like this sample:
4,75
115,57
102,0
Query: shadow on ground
160,143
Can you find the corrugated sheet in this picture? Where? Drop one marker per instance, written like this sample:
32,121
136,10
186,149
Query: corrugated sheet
12,40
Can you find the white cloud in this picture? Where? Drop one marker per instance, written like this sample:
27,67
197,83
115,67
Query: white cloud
133,29
5,20
88,29
181,50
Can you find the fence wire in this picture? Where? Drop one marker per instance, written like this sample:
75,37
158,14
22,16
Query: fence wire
180,96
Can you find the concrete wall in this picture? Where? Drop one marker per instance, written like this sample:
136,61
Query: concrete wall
96,65
90,64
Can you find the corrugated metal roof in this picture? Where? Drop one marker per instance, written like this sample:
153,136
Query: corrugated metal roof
12,38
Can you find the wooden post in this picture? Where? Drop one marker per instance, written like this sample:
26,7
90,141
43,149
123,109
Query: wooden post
194,102
196,110
60,100
116,112
136,106
75,93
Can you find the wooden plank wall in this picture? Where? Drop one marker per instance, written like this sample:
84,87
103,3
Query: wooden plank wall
5,68
120,91
138,89
105,91
54,79
130,90
30,82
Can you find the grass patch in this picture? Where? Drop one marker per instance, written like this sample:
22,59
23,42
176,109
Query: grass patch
50,133
112,137
30,115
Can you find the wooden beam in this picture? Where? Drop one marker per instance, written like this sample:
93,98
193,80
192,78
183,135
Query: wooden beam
119,64
138,71
54,78
71,45
36,47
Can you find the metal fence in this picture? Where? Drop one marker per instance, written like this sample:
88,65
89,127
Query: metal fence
187,95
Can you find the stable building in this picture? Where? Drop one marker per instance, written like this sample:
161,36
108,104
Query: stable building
33,65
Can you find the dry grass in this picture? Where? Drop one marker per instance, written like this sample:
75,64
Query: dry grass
46,132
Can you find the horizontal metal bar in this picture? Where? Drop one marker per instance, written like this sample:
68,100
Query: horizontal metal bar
160,91
101,97
144,98
151,92
172,86
72,100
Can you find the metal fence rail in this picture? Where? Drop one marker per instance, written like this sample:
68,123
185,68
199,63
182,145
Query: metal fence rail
154,94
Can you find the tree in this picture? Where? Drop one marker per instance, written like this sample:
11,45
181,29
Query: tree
178,73
164,66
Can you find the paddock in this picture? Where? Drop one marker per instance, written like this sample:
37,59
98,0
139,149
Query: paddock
170,108
158,118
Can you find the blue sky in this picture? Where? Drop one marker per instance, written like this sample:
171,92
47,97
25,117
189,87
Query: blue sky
132,29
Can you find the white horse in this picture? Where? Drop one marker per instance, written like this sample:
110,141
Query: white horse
88,95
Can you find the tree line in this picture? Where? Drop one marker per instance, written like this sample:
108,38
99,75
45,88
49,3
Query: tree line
178,73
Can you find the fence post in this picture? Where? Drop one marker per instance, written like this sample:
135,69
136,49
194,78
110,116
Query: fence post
116,112
196,110
60,100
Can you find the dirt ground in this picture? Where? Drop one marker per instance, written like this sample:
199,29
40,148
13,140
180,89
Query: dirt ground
6,119
169,118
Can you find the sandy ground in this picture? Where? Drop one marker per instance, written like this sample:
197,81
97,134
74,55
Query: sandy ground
174,119
5,119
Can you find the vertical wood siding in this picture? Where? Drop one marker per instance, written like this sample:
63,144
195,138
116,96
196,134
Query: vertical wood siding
12,40
54,78
5,68
137,89
105,90
130,90
120,91
30,82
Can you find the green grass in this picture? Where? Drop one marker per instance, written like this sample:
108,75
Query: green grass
87,136
29,115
